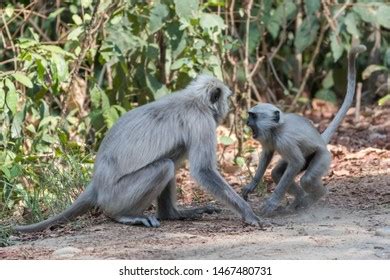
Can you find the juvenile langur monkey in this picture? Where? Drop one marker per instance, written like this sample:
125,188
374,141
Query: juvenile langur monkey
299,144
137,160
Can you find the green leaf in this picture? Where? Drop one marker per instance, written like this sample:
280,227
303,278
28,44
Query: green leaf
48,139
110,116
351,23
49,120
336,47
12,97
240,161
366,12
272,26
177,39
61,66
306,33
210,21
86,3
57,12
285,12
104,4
186,9
226,140
74,34
26,43
383,15
179,63
117,18
77,19
23,79
157,15
17,122
327,95
274,21
95,97
158,89
9,10
56,49
31,128
105,100
312,6
2,98
384,100
6,172
328,81
371,69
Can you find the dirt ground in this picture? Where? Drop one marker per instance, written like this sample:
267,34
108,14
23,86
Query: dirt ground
351,222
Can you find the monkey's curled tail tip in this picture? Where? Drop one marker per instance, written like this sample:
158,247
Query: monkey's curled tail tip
359,49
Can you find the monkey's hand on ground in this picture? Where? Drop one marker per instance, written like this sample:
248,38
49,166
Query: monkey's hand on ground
270,208
248,189
253,220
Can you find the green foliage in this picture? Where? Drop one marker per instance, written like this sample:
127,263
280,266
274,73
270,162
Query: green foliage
145,51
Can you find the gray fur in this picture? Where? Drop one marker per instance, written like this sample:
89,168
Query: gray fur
138,158
300,145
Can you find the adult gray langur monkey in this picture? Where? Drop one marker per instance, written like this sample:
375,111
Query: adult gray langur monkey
137,160
301,147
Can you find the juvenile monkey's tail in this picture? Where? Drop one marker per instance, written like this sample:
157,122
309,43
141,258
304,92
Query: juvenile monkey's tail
327,134
81,205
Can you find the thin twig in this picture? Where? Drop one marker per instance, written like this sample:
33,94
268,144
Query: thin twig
32,12
269,91
7,61
36,27
271,64
18,14
10,40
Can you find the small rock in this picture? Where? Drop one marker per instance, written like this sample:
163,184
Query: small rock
384,232
66,252
303,232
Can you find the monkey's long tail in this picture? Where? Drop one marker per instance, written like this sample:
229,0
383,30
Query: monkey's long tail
82,204
327,134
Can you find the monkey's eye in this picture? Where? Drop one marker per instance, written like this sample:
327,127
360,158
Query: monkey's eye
215,95
276,116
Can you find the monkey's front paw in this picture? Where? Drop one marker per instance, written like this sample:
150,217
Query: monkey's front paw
247,190
256,222
269,208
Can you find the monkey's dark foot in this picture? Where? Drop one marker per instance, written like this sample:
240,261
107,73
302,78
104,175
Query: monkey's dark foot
270,208
148,221
304,202
247,190
253,220
299,203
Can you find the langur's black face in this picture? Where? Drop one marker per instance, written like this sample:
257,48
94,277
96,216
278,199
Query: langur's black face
262,118
251,122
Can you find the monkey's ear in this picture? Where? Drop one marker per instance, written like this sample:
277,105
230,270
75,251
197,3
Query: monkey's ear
215,95
276,117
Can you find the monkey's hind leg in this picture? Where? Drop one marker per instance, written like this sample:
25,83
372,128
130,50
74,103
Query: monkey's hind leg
311,181
167,209
293,189
135,192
